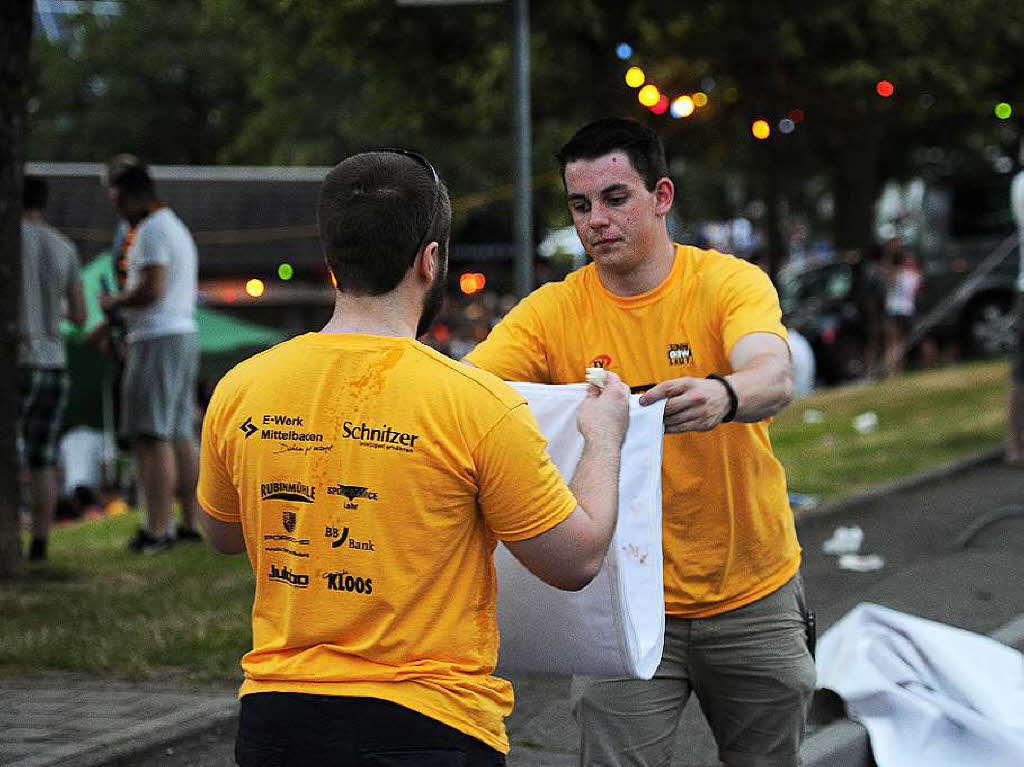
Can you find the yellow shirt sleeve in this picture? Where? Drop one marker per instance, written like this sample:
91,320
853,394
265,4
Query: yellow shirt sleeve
217,493
515,349
521,494
749,304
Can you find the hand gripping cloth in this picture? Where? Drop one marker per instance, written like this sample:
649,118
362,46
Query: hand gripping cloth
615,626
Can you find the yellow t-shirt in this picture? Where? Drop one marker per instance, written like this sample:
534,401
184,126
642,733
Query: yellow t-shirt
372,477
728,532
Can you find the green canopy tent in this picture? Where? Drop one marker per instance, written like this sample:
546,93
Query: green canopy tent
223,342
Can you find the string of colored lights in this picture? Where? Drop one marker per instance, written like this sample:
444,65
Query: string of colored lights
683,105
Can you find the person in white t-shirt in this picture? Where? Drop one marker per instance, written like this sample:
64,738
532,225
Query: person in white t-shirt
161,357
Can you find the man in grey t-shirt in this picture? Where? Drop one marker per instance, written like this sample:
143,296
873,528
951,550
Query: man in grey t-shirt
51,288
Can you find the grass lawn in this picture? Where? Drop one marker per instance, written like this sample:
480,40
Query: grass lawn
98,610
924,420
183,615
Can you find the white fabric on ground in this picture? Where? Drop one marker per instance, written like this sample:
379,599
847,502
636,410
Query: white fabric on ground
614,626
930,695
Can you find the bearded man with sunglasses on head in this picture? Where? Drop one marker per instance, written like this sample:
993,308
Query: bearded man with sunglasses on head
368,478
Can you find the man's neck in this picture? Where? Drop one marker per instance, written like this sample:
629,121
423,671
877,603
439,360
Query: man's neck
643,277
35,216
370,315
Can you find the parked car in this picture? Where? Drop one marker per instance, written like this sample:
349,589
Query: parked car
962,220
821,303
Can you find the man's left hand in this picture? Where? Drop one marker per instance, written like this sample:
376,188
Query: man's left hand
692,404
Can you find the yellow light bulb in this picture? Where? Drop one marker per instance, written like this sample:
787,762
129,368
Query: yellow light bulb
635,77
761,129
649,96
254,287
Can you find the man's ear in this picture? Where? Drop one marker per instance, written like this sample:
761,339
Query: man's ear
428,262
664,194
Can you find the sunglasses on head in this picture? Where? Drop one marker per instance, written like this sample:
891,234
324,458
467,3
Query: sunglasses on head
437,186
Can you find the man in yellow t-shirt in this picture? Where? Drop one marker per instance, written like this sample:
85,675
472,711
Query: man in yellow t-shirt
702,330
368,479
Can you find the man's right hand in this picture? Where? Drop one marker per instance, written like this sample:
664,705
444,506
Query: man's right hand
604,415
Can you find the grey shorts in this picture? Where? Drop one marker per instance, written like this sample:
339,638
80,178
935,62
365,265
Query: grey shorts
158,388
752,672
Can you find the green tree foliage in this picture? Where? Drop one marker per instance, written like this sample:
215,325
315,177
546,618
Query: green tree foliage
309,81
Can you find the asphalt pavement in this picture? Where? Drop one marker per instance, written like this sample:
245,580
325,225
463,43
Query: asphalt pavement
951,543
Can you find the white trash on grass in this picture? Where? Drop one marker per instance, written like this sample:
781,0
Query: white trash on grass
844,540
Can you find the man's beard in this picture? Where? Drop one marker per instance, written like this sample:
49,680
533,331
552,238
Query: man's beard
433,300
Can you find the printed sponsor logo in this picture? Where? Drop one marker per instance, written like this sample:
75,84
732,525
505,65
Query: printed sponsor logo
382,437
288,519
283,447
352,493
282,420
288,491
284,575
345,581
273,429
339,536
679,354
287,539
286,550
601,361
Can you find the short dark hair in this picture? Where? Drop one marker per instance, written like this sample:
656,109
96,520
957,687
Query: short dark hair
375,213
34,193
610,134
133,180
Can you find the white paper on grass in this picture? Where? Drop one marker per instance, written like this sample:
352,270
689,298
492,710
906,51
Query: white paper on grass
616,625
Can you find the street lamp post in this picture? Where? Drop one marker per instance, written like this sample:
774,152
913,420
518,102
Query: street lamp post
522,170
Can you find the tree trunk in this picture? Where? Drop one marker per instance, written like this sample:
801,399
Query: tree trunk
15,39
854,189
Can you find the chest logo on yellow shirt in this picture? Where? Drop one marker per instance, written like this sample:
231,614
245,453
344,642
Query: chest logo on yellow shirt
601,361
679,354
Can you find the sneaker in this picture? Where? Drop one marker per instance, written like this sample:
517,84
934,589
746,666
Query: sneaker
187,535
145,543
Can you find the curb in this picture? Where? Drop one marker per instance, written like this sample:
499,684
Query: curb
912,482
150,734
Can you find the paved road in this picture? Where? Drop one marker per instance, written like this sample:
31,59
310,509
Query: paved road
948,553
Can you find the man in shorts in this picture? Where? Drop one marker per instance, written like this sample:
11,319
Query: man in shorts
161,357
368,478
51,288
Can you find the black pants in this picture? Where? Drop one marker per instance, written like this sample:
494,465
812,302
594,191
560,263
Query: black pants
279,729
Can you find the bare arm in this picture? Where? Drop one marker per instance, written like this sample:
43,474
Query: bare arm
76,303
225,537
148,290
569,555
762,378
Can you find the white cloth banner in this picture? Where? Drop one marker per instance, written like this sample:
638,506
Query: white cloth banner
929,695
614,626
